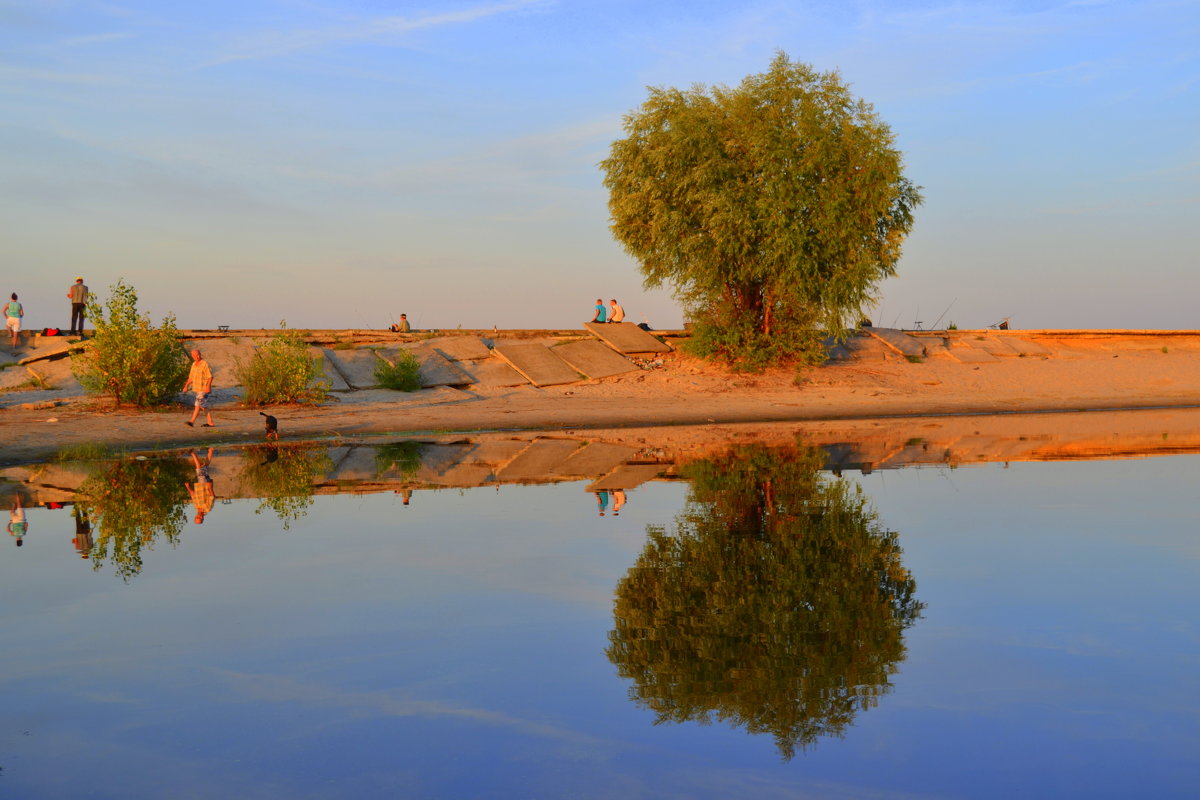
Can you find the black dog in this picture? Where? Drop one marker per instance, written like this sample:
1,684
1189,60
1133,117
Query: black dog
272,426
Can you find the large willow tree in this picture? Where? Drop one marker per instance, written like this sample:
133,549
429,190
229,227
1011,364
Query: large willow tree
776,602
773,209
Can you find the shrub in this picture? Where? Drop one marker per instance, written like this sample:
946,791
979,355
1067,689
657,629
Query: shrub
129,359
743,348
283,371
403,373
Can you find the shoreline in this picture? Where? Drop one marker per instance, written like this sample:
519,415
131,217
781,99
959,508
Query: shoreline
1101,372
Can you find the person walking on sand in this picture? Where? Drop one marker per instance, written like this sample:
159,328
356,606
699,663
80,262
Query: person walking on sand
78,294
616,313
200,381
13,312
599,316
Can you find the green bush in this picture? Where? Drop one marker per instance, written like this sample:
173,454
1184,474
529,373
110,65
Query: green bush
282,371
129,359
742,347
403,373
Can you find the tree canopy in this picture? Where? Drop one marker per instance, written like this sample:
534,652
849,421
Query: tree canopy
773,209
776,603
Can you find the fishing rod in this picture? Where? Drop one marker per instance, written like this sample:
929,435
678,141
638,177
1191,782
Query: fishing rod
934,326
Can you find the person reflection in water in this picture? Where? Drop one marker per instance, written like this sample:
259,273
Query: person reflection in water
602,500
83,532
618,496
17,526
202,490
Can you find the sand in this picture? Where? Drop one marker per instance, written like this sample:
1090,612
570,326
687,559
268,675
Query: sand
1074,371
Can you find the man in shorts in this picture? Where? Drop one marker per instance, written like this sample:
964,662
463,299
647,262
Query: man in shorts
13,311
199,380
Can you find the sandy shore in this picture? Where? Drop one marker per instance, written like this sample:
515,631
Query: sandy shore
1077,371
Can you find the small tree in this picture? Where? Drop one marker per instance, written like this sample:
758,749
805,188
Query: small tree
283,371
773,209
129,359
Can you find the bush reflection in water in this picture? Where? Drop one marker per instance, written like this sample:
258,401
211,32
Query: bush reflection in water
776,601
126,505
283,477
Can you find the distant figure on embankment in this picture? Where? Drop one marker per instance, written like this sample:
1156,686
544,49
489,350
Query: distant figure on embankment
78,295
601,313
402,326
13,311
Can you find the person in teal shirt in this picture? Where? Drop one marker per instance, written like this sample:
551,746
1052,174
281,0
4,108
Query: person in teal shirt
601,312
13,313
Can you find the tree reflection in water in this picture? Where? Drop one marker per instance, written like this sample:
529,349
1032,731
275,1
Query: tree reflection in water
130,505
283,477
776,602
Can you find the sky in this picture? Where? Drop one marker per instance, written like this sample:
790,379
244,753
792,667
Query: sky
334,164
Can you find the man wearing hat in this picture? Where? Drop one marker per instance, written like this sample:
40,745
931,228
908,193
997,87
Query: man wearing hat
79,295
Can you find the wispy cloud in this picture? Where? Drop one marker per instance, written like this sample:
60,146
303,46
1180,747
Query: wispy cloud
98,38
277,43
21,75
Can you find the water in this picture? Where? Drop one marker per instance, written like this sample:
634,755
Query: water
1034,634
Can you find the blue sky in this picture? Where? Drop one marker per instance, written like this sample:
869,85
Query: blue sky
334,164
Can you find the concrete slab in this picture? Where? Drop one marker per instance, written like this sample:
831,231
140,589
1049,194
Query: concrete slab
898,340
537,462
356,366
357,465
1026,347
868,348
995,346
497,455
329,370
937,348
13,377
594,359
969,355
436,369
460,348
537,363
596,458
440,459
492,373
628,476
57,374
223,355
43,347
626,338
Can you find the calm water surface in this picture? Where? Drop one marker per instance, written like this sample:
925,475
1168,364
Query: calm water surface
756,628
